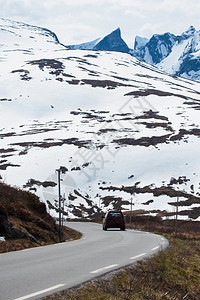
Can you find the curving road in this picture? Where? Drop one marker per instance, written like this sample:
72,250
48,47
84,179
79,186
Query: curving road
37,272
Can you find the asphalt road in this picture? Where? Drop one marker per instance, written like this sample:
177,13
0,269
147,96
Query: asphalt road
37,272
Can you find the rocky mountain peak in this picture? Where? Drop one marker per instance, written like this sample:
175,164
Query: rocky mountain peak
112,42
174,54
189,32
156,49
140,42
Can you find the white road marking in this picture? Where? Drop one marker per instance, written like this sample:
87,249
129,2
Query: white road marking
155,248
40,292
104,269
137,256
84,235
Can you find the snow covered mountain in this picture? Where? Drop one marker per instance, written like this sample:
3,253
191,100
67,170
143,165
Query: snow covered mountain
84,46
17,36
111,42
176,55
184,59
120,130
156,49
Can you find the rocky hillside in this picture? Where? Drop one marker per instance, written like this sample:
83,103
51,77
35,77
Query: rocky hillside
24,221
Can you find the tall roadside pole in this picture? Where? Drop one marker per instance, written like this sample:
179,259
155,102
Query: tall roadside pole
59,206
131,209
63,208
176,219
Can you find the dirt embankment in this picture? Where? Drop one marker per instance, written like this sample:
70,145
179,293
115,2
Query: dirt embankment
24,221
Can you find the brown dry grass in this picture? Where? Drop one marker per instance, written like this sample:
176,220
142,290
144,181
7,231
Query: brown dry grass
23,210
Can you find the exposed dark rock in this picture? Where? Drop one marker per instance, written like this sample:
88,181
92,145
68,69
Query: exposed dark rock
5,166
189,199
147,92
10,231
158,47
45,184
143,141
49,63
112,42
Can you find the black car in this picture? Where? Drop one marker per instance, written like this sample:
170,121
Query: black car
114,219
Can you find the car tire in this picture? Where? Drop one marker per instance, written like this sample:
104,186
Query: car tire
123,228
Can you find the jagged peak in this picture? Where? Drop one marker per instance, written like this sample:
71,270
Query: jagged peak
112,42
140,42
116,32
190,31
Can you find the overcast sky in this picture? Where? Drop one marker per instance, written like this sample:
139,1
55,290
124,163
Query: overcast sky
77,21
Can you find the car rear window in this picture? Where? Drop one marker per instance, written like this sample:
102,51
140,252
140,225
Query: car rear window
114,214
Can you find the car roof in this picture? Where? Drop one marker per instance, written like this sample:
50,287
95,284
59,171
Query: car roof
114,211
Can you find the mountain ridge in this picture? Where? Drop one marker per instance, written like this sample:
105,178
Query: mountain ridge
33,37
111,42
177,55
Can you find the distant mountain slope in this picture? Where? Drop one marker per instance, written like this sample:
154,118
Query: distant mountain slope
176,55
156,49
184,59
125,133
18,36
111,42
84,46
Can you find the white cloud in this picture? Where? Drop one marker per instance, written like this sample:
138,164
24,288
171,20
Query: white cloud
179,6
76,21
134,13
